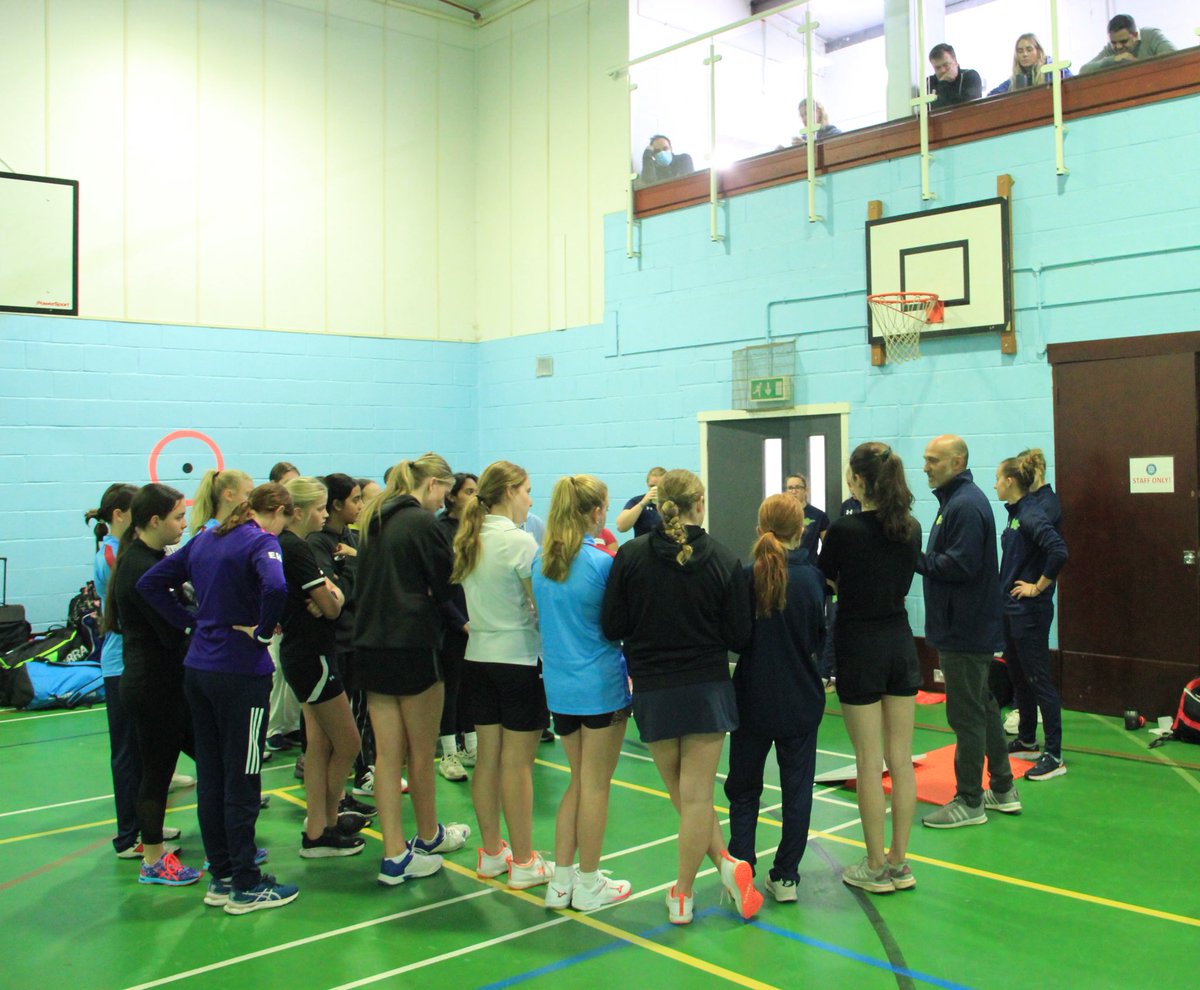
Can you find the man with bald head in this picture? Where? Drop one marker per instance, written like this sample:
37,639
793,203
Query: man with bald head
963,621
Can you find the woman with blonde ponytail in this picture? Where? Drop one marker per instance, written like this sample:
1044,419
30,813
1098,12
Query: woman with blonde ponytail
679,600
493,561
219,493
869,560
586,686
402,585
780,697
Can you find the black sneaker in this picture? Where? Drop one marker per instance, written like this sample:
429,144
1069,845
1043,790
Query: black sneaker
349,803
279,742
547,736
331,843
351,822
1023,750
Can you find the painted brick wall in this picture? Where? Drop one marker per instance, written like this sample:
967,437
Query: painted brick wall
83,404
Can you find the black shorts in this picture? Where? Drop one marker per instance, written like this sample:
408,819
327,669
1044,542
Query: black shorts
510,695
874,659
565,725
398,672
687,710
314,678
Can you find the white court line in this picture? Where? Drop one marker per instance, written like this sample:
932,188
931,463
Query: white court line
31,718
61,804
313,938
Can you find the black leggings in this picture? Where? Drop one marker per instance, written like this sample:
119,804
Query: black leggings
456,716
163,724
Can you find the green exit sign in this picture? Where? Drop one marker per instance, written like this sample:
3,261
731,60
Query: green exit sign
777,389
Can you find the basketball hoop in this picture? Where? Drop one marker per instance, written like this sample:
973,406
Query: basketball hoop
900,317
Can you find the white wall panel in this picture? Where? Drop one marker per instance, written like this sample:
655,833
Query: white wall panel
531,152
160,160
84,83
456,194
354,177
22,87
412,194
294,174
493,156
229,176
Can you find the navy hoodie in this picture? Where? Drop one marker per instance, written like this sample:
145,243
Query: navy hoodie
779,690
1032,547
962,580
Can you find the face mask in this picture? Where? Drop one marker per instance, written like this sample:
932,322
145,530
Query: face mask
664,157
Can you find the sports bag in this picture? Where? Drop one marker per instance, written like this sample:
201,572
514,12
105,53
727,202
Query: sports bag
35,685
1186,726
14,630
80,639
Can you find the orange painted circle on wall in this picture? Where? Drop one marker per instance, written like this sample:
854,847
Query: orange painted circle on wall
183,435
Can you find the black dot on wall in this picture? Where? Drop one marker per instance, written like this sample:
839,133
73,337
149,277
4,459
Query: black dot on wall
187,468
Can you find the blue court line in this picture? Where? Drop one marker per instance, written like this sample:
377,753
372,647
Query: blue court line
511,981
838,950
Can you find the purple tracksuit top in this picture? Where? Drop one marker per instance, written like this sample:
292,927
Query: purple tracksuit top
239,581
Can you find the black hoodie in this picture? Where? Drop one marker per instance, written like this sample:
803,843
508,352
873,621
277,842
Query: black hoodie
404,564
678,622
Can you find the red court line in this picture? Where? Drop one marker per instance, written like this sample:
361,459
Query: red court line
53,865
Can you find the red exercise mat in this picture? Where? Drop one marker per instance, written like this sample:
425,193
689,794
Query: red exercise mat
935,775
931,697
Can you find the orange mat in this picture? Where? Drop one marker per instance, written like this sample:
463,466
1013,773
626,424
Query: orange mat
935,775
931,697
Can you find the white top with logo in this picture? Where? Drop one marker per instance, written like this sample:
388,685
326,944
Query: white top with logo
503,627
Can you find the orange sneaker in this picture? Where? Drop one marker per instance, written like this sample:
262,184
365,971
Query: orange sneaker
738,878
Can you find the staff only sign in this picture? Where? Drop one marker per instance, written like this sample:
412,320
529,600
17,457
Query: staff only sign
1151,475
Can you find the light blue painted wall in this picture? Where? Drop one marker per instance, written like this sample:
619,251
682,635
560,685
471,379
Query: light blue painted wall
83,403
1112,249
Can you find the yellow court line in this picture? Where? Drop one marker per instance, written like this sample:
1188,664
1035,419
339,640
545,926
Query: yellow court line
587,921
1156,754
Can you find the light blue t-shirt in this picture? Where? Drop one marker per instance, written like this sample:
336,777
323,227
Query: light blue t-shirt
112,652
584,673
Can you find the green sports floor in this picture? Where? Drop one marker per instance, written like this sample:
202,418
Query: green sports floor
1095,885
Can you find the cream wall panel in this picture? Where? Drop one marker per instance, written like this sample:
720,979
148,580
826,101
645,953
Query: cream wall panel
23,87
373,14
294,173
84,135
412,195
230,159
494,273
568,130
530,166
354,177
160,158
456,194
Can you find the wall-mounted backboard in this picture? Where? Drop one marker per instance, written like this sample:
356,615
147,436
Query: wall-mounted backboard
39,244
963,253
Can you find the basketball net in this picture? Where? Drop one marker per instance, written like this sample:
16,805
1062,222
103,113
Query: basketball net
900,317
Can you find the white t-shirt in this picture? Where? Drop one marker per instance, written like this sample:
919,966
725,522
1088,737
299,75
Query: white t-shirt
503,629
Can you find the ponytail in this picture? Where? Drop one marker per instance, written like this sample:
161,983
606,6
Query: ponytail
497,478
404,478
572,503
116,496
780,520
147,502
264,500
884,486
1036,461
1021,469
207,499
678,492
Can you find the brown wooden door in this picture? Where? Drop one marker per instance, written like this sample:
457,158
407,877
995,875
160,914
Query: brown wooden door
1129,603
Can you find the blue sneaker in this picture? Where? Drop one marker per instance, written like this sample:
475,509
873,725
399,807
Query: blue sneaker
169,872
261,855
410,866
268,894
218,892
1045,768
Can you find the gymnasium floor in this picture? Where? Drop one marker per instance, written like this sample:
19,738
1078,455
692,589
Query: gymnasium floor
1093,886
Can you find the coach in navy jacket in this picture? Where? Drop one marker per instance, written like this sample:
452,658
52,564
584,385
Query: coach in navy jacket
962,619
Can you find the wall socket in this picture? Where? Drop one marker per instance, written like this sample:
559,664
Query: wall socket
938,676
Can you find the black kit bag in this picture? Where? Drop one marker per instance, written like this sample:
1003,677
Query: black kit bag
1186,727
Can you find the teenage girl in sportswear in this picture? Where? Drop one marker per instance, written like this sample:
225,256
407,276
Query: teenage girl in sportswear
587,687
237,572
679,600
112,519
869,559
1033,555
493,561
364,765
403,578
309,659
152,684
217,495
1044,497
780,697
454,647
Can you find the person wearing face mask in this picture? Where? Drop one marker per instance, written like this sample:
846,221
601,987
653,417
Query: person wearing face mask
660,163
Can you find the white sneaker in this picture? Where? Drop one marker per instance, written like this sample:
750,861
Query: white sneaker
537,871
738,878
410,866
367,787
1012,721
450,838
783,890
493,864
559,895
451,768
679,908
180,781
597,895
467,757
